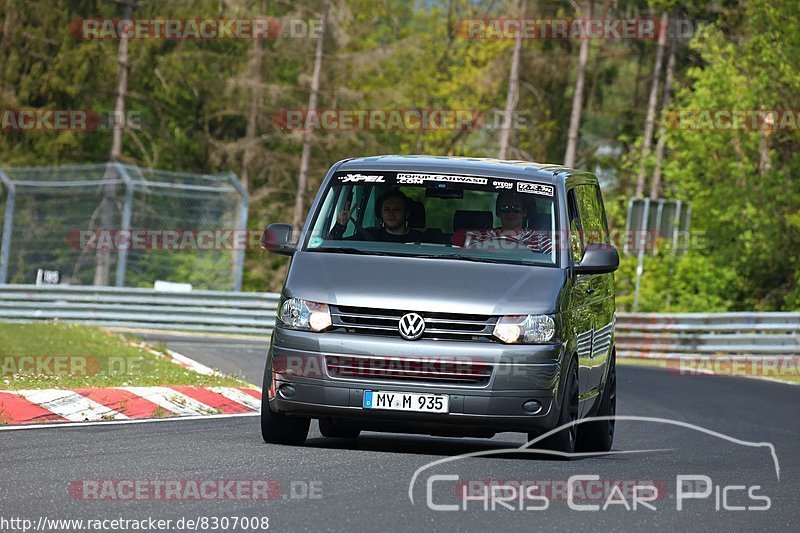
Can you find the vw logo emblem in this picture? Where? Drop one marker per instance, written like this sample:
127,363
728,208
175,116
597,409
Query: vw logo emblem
411,326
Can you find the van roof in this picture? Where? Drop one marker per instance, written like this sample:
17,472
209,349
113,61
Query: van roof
476,166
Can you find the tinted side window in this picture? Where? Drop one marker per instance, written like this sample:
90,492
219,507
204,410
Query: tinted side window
593,219
576,242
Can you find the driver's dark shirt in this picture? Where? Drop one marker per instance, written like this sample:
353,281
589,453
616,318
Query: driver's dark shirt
380,234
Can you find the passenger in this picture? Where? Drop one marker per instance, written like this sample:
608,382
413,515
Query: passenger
393,215
515,212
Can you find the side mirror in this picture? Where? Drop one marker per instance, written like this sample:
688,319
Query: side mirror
598,259
277,238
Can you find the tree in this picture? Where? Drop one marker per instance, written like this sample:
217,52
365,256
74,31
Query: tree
513,88
750,218
108,202
655,183
577,97
302,179
647,138
254,81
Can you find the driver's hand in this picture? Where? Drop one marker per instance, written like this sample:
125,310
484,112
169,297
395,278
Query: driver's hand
344,215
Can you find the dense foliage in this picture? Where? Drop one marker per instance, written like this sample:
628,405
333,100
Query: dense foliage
194,98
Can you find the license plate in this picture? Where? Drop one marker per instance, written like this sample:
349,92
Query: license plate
406,401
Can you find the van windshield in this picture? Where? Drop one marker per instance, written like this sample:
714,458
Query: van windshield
469,218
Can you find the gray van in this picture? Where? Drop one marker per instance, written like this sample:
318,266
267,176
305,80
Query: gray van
446,296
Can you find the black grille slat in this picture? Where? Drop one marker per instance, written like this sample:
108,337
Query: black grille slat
438,326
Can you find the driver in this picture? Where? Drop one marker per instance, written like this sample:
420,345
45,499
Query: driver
393,215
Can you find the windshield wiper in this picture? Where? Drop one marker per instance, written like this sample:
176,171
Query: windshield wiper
472,258
346,250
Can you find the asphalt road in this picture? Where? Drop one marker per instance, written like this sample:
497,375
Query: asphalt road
364,486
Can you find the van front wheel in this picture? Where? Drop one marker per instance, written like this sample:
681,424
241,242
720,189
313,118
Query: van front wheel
564,440
598,435
277,428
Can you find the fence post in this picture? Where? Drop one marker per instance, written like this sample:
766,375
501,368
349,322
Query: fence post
626,247
125,225
640,264
676,227
687,226
244,204
8,226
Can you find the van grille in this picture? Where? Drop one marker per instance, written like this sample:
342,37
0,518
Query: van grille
408,369
442,326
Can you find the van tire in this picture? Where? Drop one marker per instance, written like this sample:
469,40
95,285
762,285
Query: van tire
599,436
564,441
277,428
333,430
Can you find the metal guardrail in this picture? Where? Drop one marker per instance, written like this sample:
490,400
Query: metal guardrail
709,334
208,311
637,335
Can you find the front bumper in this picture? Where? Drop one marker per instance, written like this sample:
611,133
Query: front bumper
298,383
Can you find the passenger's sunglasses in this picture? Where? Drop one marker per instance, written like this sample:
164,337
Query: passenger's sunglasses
506,208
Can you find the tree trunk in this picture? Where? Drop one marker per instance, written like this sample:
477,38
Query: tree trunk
302,179
254,80
513,89
764,159
8,28
647,141
655,183
577,98
108,202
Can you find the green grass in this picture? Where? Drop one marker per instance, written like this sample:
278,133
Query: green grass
663,364
641,362
82,356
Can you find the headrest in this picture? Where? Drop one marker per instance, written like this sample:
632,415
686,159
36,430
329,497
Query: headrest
416,214
472,220
541,221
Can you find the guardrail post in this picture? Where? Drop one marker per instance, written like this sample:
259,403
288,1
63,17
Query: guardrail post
8,226
244,205
125,225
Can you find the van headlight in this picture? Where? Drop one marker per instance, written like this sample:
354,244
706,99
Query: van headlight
302,314
525,329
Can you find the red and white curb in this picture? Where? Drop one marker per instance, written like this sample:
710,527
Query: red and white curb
124,403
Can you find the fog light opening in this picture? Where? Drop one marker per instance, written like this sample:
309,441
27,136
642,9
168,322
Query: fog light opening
532,406
286,391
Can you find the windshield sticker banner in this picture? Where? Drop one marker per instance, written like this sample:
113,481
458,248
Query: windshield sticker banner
535,188
419,179
361,178
444,180
503,185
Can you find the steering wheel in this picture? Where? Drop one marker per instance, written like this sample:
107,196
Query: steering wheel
476,244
